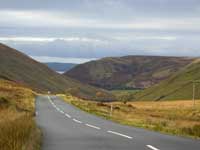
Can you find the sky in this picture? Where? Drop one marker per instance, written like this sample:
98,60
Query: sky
82,30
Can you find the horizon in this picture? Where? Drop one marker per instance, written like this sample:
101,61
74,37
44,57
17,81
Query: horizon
83,30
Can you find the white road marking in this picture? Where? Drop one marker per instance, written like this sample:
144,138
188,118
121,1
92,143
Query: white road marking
92,126
62,112
58,109
67,115
75,120
123,135
151,147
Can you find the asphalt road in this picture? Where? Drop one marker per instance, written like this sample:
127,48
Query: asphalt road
68,128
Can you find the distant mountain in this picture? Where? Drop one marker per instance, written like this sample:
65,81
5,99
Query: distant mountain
60,67
177,87
20,68
128,72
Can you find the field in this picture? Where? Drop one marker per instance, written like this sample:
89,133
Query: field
17,124
125,95
121,92
172,117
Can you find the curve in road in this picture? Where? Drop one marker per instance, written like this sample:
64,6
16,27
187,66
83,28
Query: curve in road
68,128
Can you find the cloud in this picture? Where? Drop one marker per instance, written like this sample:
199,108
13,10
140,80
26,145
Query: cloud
99,28
62,60
48,39
49,19
132,38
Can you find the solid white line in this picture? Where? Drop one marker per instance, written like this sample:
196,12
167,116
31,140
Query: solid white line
67,115
75,120
116,133
151,147
92,126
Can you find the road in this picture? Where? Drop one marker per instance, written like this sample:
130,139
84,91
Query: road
65,127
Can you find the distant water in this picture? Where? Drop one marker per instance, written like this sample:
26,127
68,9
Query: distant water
61,72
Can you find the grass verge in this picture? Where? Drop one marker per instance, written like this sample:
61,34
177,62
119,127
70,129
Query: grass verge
172,117
17,124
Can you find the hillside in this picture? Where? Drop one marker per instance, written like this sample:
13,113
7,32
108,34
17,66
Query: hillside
16,66
177,87
129,72
60,67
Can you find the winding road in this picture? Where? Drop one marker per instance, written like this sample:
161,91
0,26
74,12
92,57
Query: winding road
65,127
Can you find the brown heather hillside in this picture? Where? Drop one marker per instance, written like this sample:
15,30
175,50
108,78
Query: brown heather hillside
18,67
128,72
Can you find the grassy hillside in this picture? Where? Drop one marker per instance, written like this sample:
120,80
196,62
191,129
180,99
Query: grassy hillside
177,117
16,66
17,124
127,72
177,87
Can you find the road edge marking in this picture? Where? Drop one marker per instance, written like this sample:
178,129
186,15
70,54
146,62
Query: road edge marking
123,135
92,126
77,121
152,147
67,115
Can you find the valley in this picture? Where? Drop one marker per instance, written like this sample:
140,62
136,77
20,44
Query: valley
18,67
100,75
164,104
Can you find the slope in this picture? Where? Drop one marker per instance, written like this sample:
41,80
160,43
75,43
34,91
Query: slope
177,87
127,72
20,68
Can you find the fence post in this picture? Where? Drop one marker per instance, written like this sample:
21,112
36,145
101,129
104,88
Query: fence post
111,109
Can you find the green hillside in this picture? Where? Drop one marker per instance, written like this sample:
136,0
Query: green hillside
16,66
129,72
177,87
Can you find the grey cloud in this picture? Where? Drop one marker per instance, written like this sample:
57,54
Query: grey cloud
186,40
111,9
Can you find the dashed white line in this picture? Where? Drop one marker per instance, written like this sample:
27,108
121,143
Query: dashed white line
151,147
123,135
67,115
62,112
95,127
92,126
75,120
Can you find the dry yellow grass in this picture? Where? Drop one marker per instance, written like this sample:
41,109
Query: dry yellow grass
17,124
173,117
